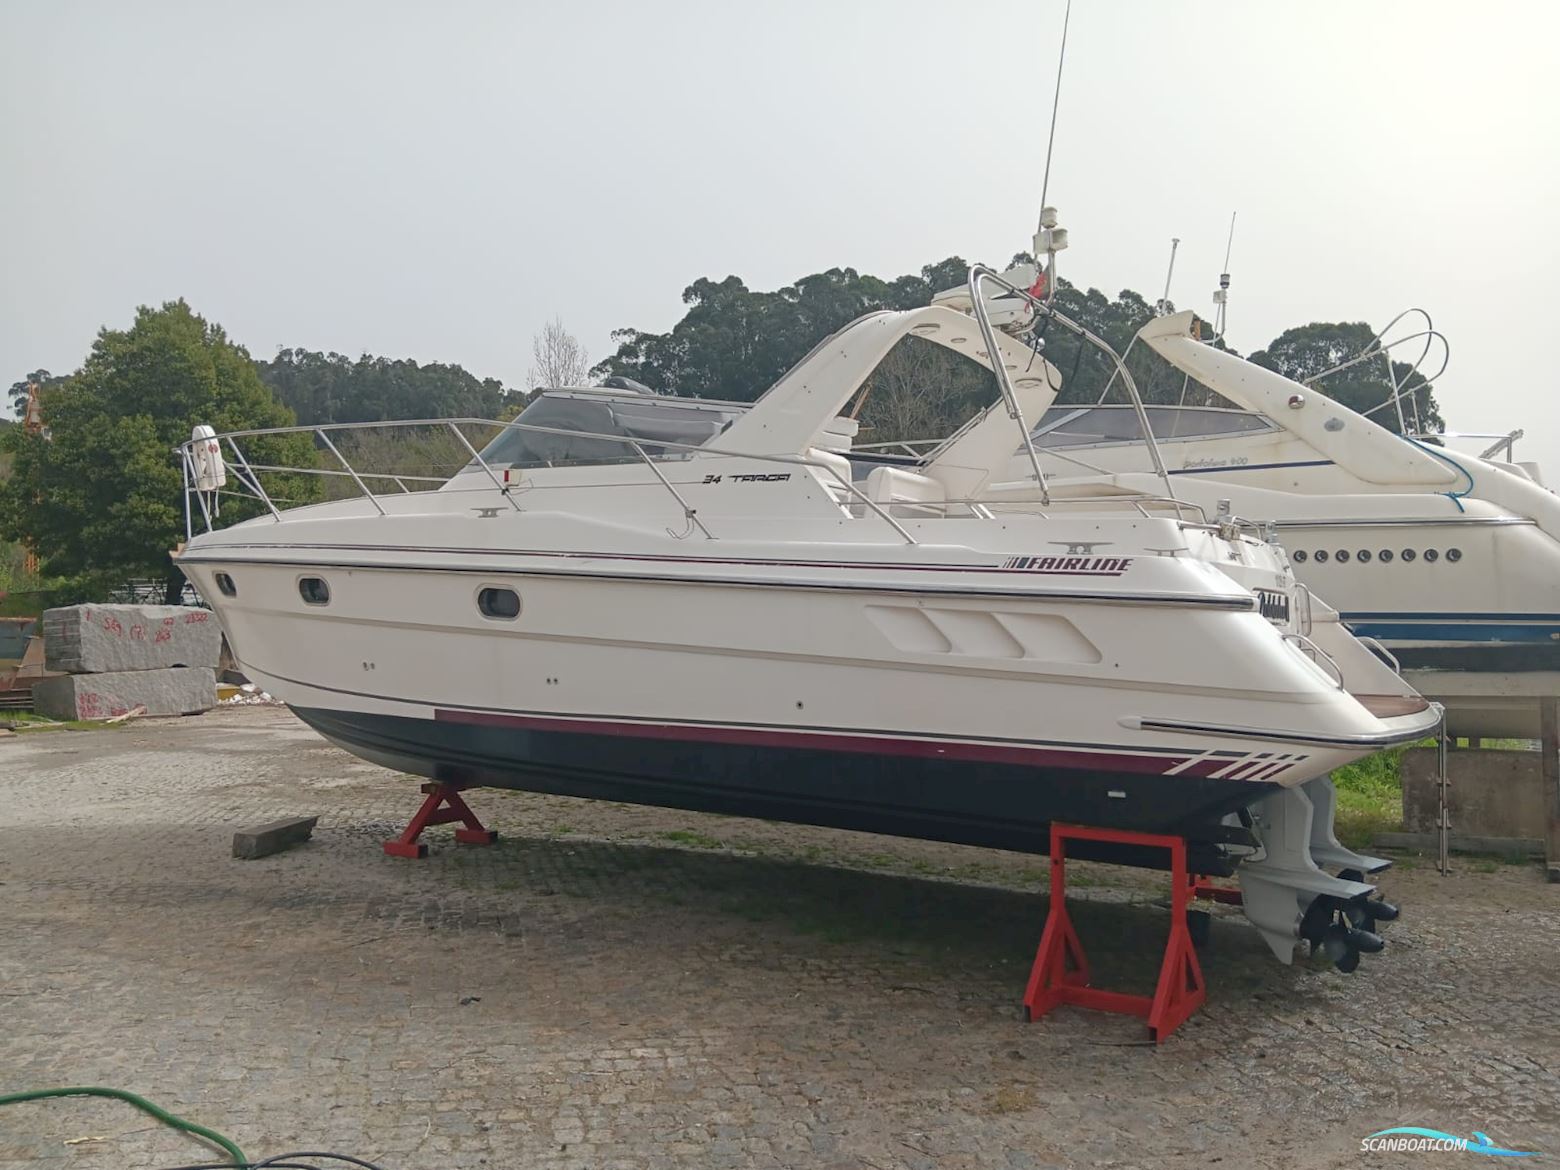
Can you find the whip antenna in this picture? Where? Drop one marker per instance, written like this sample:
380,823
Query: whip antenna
1056,99
1050,239
1164,301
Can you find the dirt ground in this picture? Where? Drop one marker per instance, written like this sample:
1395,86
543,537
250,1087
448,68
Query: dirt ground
612,986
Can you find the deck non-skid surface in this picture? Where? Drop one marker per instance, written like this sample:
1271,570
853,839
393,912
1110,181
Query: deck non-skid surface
614,986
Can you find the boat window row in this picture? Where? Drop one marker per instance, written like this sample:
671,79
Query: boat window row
1364,556
581,427
1091,426
493,601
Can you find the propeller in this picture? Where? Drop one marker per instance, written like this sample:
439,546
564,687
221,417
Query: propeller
1365,912
1318,916
1344,930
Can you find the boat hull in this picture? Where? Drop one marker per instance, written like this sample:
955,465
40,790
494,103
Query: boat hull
957,701
756,773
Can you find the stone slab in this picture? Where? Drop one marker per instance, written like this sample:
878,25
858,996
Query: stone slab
1492,793
99,639
175,691
272,837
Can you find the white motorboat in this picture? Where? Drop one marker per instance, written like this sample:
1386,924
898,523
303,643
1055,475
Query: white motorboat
699,604
1452,561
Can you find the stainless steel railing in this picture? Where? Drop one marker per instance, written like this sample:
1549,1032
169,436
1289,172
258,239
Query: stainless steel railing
1324,661
247,473
979,274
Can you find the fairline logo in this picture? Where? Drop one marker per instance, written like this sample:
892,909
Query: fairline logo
1415,1139
1077,566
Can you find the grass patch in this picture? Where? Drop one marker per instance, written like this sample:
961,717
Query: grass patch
27,721
1011,1099
696,840
1370,797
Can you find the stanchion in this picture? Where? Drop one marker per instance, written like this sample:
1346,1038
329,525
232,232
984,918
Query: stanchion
1443,820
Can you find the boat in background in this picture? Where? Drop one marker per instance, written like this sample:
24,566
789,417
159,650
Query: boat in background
1451,561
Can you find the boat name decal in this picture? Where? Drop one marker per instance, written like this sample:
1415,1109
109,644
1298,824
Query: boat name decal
1077,566
756,477
1274,605
1209,461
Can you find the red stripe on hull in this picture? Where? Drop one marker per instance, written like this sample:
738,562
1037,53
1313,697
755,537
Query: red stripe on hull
988,753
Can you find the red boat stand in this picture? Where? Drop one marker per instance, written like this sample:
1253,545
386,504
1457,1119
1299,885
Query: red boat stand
1202,887
1061,971
443,806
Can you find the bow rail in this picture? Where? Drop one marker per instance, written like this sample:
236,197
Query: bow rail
203,499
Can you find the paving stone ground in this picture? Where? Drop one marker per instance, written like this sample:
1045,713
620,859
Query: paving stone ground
621,987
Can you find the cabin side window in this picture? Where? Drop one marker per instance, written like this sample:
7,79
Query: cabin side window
314,590
225,585
498,603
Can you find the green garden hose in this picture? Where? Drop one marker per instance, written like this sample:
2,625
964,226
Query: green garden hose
140,1103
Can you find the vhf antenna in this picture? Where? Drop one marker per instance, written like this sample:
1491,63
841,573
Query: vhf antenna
1221,296
1050,239
1164,301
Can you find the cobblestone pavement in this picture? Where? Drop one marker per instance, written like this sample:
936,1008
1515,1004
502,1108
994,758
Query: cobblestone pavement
621,987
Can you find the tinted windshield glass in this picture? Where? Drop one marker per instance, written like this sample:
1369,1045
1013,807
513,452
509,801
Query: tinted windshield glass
654,422
1080,426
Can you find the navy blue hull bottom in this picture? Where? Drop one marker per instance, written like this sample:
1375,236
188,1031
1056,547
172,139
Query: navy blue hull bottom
973,802
1496,658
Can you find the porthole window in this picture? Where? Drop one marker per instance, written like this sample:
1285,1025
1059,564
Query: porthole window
1432,554
1409,554
1343,555
1454,555
502,604
313,590
1386,555
1321,556
1300,556
1363,556
225,585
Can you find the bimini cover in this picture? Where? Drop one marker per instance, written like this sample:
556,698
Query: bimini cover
1361,447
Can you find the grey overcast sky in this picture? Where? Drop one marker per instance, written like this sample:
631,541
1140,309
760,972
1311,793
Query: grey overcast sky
435,180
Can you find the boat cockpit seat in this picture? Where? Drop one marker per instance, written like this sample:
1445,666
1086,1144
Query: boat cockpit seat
891,485
839,434
837,475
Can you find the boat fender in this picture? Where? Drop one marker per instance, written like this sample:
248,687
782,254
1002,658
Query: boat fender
206,455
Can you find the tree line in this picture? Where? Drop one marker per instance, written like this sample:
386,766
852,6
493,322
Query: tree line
733,343
99,495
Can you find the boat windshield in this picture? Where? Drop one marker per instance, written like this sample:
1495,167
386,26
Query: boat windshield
1097,426
651,420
